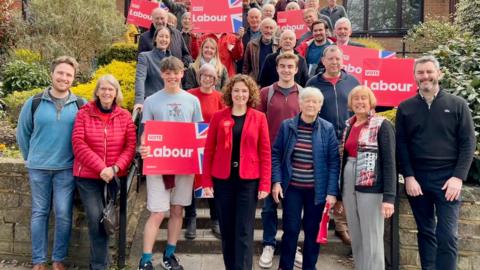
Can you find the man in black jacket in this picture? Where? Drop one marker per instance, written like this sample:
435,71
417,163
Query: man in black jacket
178,48
435,146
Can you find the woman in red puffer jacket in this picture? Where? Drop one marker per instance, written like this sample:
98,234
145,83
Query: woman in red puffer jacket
104,143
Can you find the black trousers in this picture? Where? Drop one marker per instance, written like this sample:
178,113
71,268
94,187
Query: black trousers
236,201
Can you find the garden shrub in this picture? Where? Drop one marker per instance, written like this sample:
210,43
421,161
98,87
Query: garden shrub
466,16
14,102
369,43
428,35
19,75
27,56
81,29
125,52
390,115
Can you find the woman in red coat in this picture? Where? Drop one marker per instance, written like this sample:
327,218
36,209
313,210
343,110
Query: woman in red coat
237,164
103,141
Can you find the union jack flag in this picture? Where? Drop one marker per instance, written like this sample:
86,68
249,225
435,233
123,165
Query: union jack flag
386,54
234,3
201,130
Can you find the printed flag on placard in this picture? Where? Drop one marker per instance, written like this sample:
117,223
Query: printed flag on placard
391,80
173,154
220,16
353,58
292,20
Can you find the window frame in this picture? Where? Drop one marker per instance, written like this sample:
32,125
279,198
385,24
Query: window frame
397,32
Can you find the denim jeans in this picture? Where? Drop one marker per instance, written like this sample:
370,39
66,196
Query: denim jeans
437,241
44,185
92,196
269,221
295,200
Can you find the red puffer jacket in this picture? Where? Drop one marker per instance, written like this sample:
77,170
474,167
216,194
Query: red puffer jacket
98,144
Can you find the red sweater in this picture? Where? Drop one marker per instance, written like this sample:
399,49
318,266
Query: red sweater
98,144
210,103
255,153
228,57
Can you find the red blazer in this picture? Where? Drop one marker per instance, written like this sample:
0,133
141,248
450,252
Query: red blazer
98,144
255,153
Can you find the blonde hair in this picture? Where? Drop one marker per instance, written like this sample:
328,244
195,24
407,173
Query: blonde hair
64,60
362,89
110,79
218,63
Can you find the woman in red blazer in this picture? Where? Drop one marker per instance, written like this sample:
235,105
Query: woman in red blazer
237,164
103,142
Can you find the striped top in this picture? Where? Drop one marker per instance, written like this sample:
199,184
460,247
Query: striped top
302,159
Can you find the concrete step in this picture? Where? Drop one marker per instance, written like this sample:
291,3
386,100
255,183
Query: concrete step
207,243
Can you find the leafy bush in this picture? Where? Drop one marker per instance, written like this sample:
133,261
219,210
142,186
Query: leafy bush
27,56
390,115
125,74
19,75
15,100
428,35
125,52
369,43
7,33
467,16
81,29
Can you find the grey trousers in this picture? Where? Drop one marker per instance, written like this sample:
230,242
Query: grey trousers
365,222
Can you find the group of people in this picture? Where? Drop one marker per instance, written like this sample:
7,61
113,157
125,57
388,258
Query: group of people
294,129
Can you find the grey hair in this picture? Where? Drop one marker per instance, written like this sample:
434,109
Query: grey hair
295,5
209,69
426,59
185,14
310,92
343,20
332,48
268,5
110,79
268,20
254,10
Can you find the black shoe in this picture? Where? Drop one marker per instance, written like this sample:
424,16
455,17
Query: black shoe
145,266
191,228
171,263
216,229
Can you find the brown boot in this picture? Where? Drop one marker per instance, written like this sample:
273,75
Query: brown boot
344,236
58,266
40,266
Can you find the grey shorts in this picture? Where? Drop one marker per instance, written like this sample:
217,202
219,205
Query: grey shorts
159,199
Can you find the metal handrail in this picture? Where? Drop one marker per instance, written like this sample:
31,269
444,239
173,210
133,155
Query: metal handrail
134,170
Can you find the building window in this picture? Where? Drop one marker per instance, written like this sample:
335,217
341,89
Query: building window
383,17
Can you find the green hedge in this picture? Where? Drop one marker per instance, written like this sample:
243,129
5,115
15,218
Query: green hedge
125,52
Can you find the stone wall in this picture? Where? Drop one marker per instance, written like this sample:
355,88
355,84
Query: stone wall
15,210
469,232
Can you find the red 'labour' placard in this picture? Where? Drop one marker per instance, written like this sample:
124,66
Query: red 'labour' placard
292,20
216,16
391,80
175,147
353,58
140,13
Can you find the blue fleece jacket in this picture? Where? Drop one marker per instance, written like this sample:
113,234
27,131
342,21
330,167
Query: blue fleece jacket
46,140
335,104
326,159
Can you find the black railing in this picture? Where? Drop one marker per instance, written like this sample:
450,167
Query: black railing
124,191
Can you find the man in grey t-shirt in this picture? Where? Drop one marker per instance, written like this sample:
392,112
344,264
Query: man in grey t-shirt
167,192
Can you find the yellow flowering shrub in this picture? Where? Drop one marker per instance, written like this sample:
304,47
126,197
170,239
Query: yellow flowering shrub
27,56
390,115
125,74
369,43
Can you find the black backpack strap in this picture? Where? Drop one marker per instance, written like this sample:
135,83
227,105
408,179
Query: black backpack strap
35,102
80,102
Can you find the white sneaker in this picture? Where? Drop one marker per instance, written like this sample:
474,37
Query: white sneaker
266,260
298,258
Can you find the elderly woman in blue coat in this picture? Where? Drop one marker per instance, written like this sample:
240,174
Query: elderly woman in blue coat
305,171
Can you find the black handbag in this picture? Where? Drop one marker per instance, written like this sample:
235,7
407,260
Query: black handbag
110,218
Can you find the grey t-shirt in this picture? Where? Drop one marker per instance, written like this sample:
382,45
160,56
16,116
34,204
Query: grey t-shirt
178,107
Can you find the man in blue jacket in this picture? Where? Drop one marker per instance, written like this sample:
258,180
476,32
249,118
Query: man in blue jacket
44,135
335,85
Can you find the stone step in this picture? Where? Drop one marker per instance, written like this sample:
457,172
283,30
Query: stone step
207,243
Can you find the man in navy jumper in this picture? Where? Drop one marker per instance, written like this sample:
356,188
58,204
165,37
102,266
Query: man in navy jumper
435,146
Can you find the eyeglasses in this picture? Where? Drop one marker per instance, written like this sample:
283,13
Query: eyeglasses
206,76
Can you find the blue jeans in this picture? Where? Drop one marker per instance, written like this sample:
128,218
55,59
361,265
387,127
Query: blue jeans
437,241
44,185
295,200
269,221
92,196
